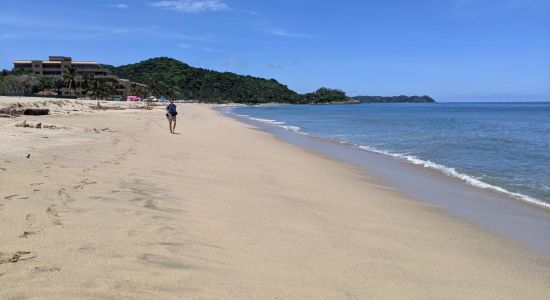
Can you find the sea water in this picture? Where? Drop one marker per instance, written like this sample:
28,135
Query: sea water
503,147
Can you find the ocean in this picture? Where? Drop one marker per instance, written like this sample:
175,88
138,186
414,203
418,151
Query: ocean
503,147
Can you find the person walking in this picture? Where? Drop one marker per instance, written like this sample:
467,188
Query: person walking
171,114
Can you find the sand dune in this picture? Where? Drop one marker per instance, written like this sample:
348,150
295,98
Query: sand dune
111,205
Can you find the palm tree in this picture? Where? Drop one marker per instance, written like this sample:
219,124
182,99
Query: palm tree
85,83
70,79
95,89
57,83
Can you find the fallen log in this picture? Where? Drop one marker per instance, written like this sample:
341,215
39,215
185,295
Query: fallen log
36,111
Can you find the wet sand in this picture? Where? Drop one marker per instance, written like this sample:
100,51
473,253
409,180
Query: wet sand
505,215
111,205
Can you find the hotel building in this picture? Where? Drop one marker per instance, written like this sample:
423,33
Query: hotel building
59,65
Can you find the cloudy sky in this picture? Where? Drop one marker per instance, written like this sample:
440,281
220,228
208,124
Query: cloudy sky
454,50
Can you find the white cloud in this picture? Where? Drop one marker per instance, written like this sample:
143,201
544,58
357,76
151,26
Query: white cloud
283,33
184,46
235,63
192,6
205,49
119,5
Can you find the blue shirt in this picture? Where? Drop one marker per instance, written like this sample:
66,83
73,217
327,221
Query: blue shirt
171,109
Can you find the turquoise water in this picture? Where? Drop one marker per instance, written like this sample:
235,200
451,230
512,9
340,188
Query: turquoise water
498,146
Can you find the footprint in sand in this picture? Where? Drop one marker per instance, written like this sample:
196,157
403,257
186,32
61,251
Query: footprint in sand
26,234
16,257
30,219
54,215
84,183
44,269
65,197
52,211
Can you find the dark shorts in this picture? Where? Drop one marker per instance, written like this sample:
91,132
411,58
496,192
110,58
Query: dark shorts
171,117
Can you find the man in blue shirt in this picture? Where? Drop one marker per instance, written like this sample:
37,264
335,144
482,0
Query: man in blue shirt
171,115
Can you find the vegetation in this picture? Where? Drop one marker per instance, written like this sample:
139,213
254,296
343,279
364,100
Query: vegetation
20,84
394,99
26,83
171,78
3,75
57,83
70,78
325,95
167,77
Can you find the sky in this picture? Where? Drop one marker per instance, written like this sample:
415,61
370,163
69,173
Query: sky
452,50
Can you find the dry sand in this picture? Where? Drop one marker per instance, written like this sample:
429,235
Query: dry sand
223,210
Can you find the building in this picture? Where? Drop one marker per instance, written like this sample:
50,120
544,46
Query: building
59,65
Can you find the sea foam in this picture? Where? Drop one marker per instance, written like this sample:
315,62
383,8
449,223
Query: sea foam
451,172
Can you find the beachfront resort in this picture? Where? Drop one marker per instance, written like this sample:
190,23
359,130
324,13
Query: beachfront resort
61,76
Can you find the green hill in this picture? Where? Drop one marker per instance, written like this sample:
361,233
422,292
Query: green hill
394,99
171,78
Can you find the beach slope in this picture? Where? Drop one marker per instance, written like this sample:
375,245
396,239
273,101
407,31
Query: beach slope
111,205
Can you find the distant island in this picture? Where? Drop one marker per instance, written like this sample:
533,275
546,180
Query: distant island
394,99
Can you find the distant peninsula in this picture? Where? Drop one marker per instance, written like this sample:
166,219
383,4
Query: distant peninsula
394,99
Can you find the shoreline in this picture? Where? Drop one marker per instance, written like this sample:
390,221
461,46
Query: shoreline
111,205
490,208
442,169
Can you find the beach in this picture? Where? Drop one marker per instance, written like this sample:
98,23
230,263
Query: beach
107,204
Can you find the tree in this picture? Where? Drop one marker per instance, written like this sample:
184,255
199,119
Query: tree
95,89
85,82
45,82
109,89
168,77
325,95
20,84
101,89
70,79
57,83
2,76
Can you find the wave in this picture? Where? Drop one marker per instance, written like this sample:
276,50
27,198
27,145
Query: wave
281,124
448,171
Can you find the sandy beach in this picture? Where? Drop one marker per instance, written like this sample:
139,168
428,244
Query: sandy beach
107,204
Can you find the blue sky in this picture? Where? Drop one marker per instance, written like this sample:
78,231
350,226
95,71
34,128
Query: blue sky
453,50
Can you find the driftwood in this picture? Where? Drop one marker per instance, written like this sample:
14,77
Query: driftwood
9,112
36,111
